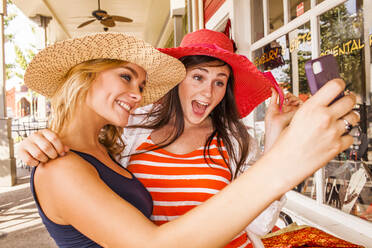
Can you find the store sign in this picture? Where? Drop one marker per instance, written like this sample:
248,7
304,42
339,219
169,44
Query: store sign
301,38
300,9
271,58
345,48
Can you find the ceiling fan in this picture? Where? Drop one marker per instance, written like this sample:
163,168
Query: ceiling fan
105,19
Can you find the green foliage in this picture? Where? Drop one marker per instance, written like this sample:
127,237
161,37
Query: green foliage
20,57
9,70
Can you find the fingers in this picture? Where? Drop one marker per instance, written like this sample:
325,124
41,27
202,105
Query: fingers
346,142
26,157
274,98
55,144
44,146
342,106
351,118
40,147
292,100
328,92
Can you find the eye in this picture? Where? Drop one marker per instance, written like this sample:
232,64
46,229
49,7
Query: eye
141,88
220,83
197,77
126,77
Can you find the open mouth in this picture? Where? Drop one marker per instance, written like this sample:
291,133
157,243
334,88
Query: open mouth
199,107
123,105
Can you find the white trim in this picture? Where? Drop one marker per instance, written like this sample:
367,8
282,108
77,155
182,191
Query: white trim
306,211
315,51
318,10
195,15
201,14
220,16
266,17
312,4
367,52
286,11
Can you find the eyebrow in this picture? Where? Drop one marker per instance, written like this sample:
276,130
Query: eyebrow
132,70
219,74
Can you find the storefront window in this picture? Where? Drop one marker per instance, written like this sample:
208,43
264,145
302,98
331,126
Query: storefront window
298,7
257,20
300,49
341,34
276,16
274,57
348,182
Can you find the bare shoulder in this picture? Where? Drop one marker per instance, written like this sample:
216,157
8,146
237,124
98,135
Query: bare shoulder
64,166
64,172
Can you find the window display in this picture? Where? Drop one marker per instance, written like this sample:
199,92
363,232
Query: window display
347,179
276,16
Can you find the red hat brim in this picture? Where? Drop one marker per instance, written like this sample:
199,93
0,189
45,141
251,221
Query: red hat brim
251,86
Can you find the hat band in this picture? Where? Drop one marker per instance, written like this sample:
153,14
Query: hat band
207,45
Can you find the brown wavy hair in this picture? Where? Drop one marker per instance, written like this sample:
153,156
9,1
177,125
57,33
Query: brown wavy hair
225,118
73,92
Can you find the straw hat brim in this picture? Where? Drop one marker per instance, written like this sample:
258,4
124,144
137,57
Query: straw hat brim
46,71
251,86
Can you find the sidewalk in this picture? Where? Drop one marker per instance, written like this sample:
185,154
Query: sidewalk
20,224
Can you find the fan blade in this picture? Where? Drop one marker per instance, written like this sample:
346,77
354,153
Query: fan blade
86,23
108,22
121,19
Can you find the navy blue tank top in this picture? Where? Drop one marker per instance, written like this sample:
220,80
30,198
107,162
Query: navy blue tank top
129,189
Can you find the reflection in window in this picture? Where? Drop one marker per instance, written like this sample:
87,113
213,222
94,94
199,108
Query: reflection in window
298,7
257,20
341,34
276,16
347,181
300,48
273,57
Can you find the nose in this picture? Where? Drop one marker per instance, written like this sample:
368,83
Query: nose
135,94
207,89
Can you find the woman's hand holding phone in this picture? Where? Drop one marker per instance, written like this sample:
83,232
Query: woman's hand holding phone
316,132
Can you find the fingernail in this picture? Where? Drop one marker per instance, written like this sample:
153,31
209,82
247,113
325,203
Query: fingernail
357,113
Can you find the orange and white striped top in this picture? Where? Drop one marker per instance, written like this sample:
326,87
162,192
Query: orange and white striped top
178,183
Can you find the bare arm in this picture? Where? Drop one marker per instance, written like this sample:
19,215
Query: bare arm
103,216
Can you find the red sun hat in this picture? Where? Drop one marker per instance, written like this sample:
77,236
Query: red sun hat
251,86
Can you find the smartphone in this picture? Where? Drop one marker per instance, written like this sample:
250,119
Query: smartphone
319,71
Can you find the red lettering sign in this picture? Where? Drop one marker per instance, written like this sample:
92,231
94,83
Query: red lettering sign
300,9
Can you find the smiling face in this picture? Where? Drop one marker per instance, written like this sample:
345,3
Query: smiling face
202,90
116,92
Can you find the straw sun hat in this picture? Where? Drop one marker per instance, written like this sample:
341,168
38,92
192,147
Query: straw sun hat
46,71
251,86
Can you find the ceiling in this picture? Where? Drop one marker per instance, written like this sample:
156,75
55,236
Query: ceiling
150,17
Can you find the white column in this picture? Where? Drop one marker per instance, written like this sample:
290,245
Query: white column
266,17
7,160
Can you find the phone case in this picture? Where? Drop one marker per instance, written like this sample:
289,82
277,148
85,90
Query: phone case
326,69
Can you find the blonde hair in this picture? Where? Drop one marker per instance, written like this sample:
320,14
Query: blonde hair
73,92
